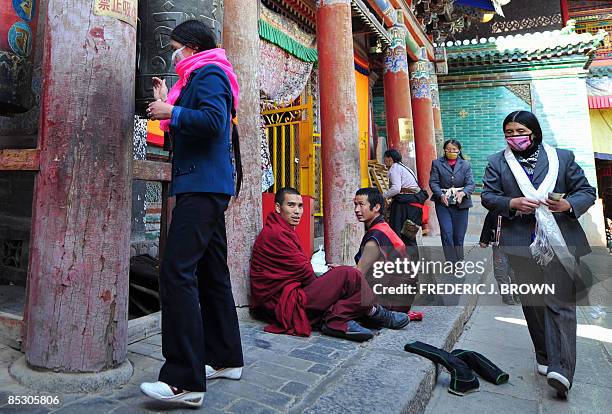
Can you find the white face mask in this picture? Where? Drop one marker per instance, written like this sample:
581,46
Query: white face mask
175,56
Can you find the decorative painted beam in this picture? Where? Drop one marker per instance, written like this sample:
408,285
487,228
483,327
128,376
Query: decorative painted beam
415,37
19,160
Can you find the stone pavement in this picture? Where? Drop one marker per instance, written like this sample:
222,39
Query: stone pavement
285,374
282,374
500,333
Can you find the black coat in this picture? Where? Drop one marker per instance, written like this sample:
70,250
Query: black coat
500,187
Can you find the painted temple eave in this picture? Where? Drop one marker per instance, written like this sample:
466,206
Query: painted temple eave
534,51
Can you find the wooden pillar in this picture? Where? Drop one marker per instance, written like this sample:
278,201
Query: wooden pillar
424,132
435,104
243,218
422,114
76,312
396,80
339,131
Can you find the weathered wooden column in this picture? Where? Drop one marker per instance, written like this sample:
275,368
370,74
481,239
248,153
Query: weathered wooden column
243,218
424,132
76,312
396,81
339,133
435,104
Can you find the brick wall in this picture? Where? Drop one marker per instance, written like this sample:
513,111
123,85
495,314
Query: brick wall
474,117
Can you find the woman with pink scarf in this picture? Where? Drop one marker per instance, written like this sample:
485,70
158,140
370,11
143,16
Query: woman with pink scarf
200,334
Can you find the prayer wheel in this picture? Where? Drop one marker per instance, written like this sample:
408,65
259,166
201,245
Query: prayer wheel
18,19
157,19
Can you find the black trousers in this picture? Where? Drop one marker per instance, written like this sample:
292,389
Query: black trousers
199,321
551,319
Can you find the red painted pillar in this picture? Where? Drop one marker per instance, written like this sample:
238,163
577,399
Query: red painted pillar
243,218
422,114
339,129
76,313
435,104
424,132
396,81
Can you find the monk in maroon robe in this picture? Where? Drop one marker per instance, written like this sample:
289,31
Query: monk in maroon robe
286,291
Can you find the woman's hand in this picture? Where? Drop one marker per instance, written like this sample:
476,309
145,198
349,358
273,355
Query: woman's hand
459,195
160,90
444,200
557,206
159,110
483,245
524,205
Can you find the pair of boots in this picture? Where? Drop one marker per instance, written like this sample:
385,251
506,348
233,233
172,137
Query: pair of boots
460,364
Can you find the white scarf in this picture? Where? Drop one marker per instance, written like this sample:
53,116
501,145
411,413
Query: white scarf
549,240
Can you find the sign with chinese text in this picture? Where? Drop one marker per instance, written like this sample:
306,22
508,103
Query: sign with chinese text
124,10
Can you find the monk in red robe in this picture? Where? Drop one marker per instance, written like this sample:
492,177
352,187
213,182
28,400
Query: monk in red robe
286,292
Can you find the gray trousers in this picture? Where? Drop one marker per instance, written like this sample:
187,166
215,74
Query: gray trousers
551,319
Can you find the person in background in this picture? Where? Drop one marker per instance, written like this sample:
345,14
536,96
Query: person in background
501,268
405,205
452,184
541,192
200,333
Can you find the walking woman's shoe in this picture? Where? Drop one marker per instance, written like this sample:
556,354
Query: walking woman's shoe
164,392
542,369
228,373
559,382
354,332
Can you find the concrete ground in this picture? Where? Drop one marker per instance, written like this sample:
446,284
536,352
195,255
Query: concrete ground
500,333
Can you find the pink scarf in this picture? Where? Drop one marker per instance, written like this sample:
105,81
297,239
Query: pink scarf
194,62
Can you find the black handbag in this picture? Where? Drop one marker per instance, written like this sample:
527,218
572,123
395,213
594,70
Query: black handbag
422,196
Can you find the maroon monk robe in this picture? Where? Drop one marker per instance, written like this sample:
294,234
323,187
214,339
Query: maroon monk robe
279,270
285,288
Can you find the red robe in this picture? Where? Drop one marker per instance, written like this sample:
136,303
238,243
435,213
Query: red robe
279,270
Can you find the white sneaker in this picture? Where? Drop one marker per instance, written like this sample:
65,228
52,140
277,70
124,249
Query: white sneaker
162,392
229,373
542,369
558,382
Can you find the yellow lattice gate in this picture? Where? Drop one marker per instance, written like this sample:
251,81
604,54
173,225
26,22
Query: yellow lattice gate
290,140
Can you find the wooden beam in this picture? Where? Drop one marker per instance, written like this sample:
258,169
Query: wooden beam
151,170
19,160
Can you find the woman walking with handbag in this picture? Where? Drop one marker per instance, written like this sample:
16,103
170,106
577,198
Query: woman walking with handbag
452,184
541,192
406,199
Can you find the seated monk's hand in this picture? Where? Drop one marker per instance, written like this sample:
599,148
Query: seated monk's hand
332,265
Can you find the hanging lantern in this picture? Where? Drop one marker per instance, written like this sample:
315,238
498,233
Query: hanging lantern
157,19
18,20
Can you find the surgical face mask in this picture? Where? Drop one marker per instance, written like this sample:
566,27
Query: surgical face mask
177,55
519,142
452,155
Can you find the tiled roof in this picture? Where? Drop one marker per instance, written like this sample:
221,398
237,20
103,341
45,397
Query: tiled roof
523,47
